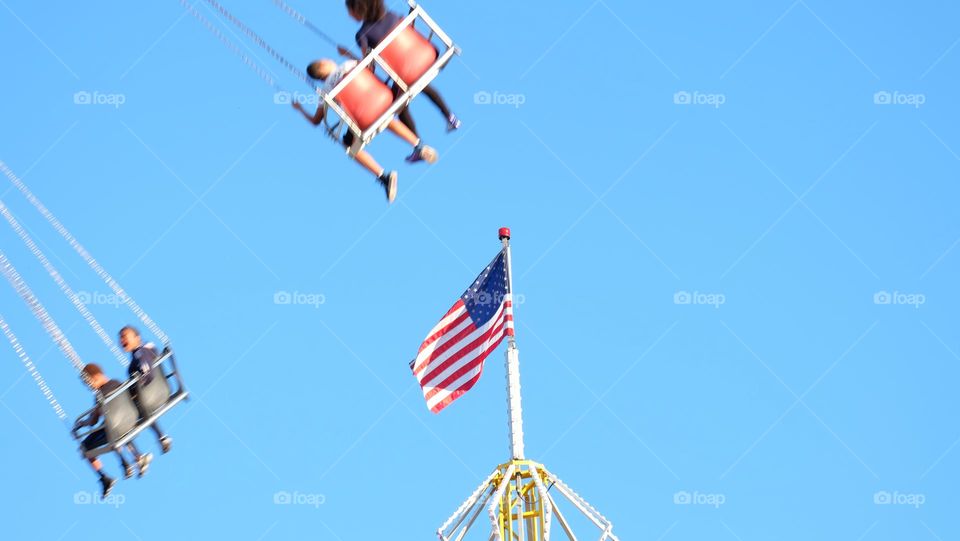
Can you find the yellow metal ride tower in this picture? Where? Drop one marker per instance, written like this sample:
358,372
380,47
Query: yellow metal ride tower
519,495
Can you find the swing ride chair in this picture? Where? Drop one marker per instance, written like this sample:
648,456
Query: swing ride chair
122,419
364,135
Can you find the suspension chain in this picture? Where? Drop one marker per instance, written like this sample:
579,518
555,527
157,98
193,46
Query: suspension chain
58,278
82,252
32,369
49,325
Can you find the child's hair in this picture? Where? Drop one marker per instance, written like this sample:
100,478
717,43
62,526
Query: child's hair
368,10
91,371
313,70
130,328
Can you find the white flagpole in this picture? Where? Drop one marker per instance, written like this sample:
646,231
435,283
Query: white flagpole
514,408
515,495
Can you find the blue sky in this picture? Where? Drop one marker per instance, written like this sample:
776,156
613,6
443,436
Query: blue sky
734,226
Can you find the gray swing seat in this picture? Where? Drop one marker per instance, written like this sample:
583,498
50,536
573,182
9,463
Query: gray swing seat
122,419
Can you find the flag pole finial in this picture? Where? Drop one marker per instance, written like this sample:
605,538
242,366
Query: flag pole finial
504,233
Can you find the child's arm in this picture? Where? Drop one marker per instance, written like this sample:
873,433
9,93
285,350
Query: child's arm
89,420
344,52
145,358
315,118
373,65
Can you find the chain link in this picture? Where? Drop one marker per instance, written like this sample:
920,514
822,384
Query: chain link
32,369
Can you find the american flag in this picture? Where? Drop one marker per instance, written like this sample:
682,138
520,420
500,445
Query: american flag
450,360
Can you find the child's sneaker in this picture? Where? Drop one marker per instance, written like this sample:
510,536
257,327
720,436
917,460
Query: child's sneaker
107,484
389,185
453,123
166,443
144,462
423,153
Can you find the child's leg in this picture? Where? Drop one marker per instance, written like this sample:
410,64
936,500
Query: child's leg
363,157
387,180
143,460
106,482
407,119
97,465
156,430
95,440
404,114
437,100
404,132
165,441
421,152
133,451
123,460
366,160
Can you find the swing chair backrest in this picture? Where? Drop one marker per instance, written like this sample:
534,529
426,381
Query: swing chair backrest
152,395
157,396
120,414
409,55
365,99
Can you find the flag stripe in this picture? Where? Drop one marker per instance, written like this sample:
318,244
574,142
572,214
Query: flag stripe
436,408
490,341
466,341
453,315
450,330
465,356
460,388
458,332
